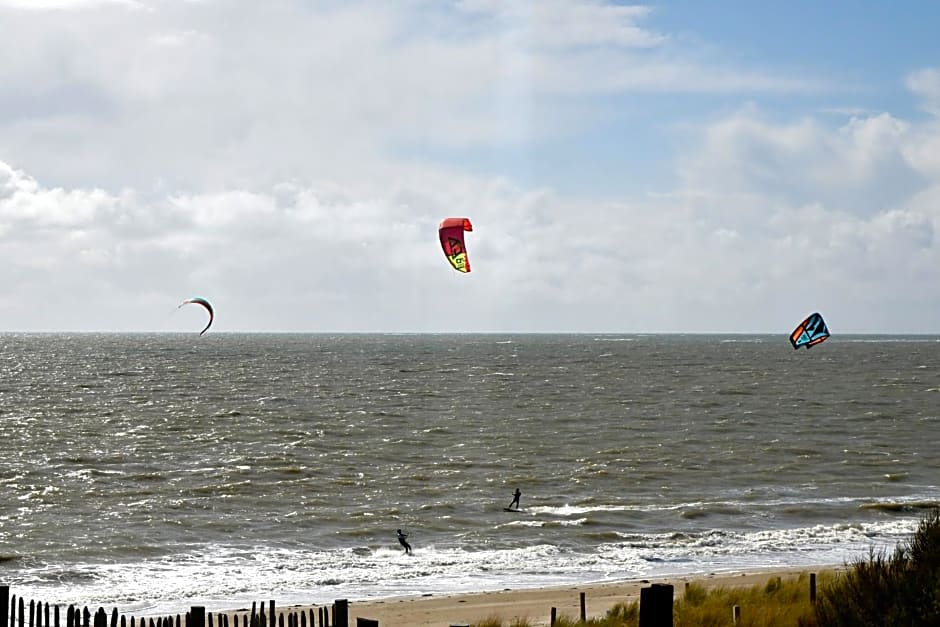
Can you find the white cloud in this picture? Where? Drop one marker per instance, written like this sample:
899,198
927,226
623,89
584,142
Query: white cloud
46,5
300,257
860,167
195,155
202,95
926,84
563,24
843,217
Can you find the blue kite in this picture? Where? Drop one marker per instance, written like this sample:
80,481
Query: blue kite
810,332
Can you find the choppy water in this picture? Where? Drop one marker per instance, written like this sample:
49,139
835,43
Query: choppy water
152,472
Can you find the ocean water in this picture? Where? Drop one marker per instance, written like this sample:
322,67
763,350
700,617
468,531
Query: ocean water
152,472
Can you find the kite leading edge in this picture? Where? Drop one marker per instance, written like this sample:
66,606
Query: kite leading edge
810,332
451,233
204,303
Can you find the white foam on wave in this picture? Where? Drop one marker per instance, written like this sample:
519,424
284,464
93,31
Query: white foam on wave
578,510
227,577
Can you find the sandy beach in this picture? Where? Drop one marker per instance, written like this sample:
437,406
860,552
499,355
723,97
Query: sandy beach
534,605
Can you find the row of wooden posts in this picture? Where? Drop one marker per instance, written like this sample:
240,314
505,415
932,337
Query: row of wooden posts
17,612
656,604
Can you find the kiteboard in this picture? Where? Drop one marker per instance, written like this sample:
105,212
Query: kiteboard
509,509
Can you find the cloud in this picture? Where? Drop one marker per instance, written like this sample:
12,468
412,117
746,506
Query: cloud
860,167
838,216
201,96
294,182
725,252
301,258
564,24
925,83
46,5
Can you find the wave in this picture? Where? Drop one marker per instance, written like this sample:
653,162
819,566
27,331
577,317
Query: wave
900,506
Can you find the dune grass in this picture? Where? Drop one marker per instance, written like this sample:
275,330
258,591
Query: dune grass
898,589
778,602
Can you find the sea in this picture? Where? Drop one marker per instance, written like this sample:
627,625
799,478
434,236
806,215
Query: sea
153,472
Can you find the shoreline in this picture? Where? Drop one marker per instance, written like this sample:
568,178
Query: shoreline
534,604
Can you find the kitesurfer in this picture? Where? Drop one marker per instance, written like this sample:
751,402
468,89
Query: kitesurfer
515,499
401,539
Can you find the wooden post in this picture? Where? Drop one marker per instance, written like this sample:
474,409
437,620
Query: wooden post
366,622
583,609
341,613
197,616
812,588
735,614
656,605
5,606
273,618
554,617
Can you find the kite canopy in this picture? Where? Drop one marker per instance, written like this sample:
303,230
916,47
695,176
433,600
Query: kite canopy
451,233
810,332
204,303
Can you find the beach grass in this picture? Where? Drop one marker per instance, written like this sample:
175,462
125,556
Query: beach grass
898,589
777,602
902,588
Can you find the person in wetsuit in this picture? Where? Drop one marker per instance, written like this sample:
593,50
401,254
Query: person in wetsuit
515,499
402,540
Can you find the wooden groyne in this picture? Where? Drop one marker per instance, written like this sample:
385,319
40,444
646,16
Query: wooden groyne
18,612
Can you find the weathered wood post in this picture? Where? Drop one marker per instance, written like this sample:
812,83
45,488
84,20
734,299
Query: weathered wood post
5,606
735,614
656,605
366,622
583,609
341,613
197,616
271,611
812,588
554,617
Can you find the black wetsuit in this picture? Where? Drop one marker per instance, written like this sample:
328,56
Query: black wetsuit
515,499
404,543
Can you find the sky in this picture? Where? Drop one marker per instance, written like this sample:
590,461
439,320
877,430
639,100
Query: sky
670,167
